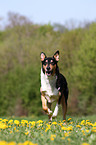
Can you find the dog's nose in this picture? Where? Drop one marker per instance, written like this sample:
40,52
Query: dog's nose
48,68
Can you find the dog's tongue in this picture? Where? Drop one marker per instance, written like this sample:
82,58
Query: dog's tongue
48,73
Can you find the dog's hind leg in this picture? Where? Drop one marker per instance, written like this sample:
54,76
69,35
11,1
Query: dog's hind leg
64,107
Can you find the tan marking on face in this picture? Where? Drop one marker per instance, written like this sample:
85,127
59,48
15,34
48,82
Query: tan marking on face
52,67
45,66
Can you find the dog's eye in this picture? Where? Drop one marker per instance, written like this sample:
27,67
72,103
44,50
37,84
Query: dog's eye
52,62
45,62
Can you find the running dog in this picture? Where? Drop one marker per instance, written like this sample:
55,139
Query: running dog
53,86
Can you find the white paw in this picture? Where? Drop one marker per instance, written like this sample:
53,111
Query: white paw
49,112
54,117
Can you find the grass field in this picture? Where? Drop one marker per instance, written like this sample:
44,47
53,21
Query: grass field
38,131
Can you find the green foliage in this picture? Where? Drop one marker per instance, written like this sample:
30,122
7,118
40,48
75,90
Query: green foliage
20,47
85,71
45,29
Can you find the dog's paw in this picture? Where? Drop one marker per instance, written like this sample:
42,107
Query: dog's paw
54,116
49,112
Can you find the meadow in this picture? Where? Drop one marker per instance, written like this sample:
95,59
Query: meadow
27,131
20,47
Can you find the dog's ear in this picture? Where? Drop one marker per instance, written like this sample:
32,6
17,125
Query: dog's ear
56,56
43,56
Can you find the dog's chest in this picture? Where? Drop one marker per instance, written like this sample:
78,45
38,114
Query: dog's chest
48,85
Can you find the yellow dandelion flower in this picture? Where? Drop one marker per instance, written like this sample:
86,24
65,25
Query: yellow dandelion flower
64,120
24,121
40,124
14,128
78,126
63,128
9,126
61,124
26,133
39,121
47,129
29,143
11,131
70,128
87,120
63,138
3,126
3,143
12,143
10,121
87,130
89,123
94,129
94,124
85,143
52,137
69,139
71,122
48,125
83,122
55,123
69,119
28,125
16,122
32,123
66,134
83,132
5,120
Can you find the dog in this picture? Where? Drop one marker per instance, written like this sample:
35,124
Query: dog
53,86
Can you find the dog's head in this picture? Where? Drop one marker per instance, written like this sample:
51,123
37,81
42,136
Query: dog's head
49,64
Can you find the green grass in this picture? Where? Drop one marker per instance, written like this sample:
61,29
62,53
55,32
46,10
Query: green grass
38,130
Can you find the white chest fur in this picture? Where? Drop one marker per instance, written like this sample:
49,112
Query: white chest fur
48,85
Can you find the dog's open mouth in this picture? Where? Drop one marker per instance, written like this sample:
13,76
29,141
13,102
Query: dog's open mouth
49,73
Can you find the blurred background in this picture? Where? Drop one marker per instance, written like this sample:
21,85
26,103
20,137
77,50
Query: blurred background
29,27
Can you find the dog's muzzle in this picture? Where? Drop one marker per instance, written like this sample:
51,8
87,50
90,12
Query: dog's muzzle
49,73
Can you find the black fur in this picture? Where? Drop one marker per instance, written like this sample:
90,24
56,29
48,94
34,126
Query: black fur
61,83
62,86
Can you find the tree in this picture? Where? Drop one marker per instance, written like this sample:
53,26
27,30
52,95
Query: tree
16,19
85,71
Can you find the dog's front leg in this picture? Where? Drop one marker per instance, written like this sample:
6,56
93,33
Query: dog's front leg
44,105
55,113
50,114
